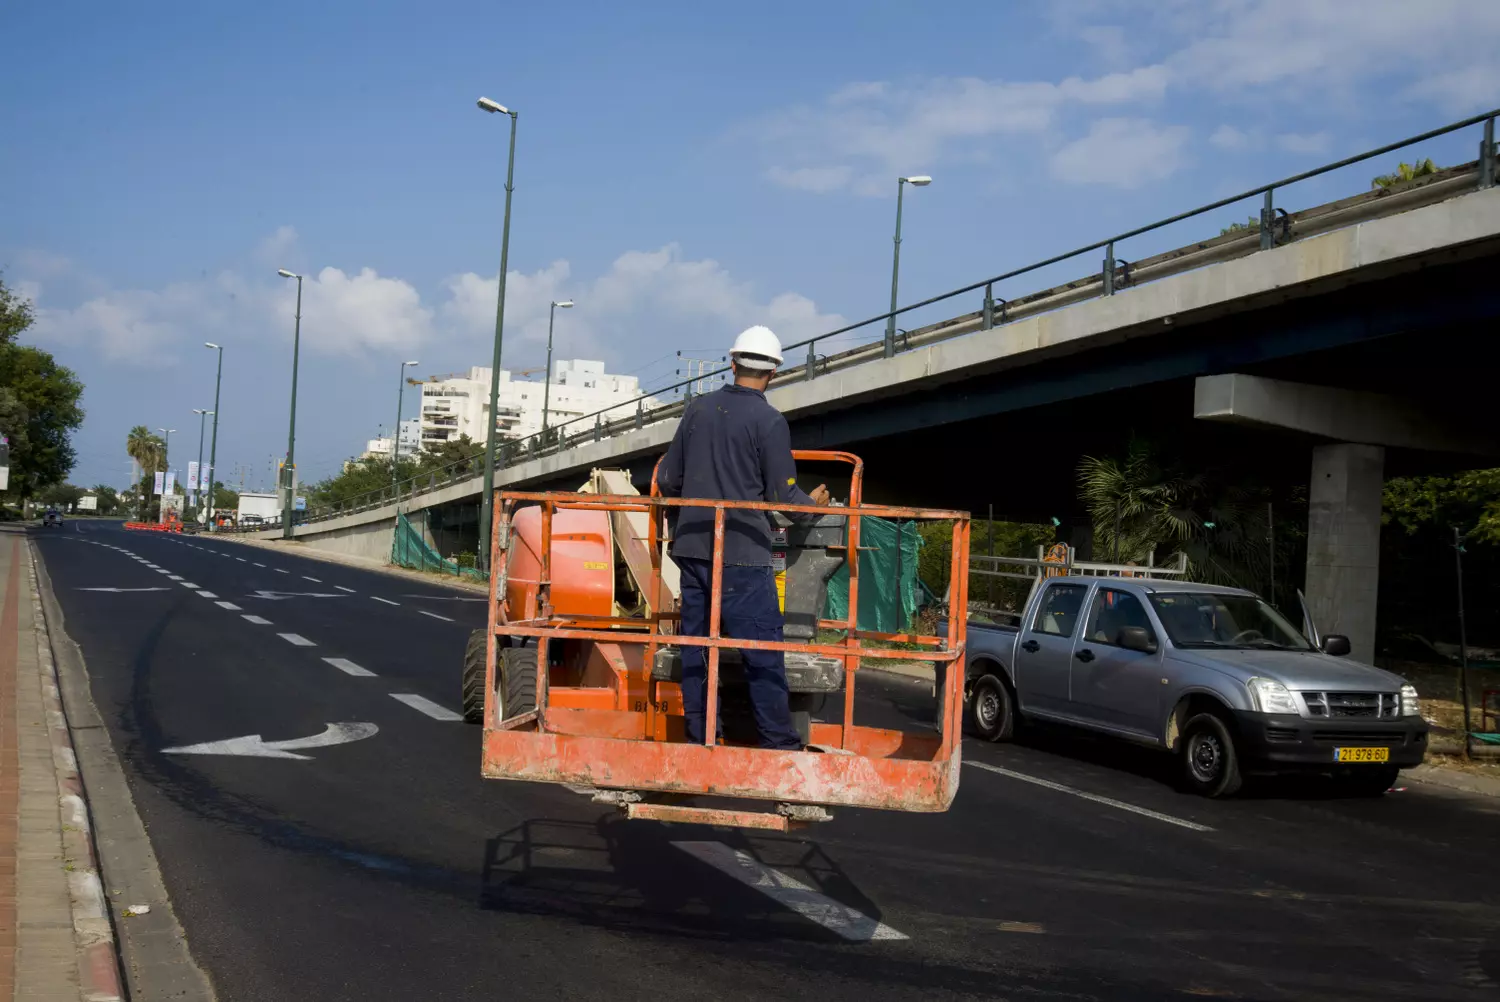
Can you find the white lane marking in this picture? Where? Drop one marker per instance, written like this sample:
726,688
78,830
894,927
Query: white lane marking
296,640
280,571
119,590
240,559
385,600
253,745
313,580
258,621
342,588
208,594
163,570
1106,801
174,577
427,706
349,667
260,565
838,918
188,584
435,615
228,605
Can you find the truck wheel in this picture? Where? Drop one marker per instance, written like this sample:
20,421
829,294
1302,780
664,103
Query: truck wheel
473,681
517,681
1210,765
1372,782
990,710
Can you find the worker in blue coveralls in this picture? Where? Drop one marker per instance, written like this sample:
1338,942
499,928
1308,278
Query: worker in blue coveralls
733,445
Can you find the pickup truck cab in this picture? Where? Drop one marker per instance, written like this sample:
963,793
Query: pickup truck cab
1212,674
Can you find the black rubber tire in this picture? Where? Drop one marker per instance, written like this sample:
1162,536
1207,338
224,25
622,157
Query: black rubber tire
990,709
1210,762
1373,781
517,681
473,680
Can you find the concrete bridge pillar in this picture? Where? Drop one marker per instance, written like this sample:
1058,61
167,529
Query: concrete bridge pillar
1343,542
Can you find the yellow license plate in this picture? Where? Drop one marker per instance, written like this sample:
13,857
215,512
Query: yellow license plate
1361,754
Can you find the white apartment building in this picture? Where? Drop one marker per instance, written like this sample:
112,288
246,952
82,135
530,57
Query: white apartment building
411,441
454,406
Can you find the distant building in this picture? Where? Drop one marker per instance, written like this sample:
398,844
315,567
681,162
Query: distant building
411,441
455,406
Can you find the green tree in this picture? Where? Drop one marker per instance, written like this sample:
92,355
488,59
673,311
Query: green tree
458,453
109,499
62,495
16,314
149,452
1405,172
1468,501
39,405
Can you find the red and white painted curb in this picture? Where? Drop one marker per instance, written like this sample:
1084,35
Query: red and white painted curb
98,953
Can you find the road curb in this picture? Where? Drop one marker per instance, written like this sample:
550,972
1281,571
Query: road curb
99,974
148,951
1453,779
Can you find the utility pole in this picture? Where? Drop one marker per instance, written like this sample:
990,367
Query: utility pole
698,370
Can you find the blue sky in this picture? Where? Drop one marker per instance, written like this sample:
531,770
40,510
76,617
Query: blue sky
683,170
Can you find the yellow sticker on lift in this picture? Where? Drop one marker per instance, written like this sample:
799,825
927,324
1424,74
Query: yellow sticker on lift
595,565
781,591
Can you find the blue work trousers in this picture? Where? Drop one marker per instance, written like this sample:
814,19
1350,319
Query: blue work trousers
748,610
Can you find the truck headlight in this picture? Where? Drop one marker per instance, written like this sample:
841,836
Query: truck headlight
1411,706
1270,696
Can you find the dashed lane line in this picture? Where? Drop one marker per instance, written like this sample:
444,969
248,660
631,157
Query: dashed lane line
342,588
435,615
189,585
257,620
282,571
424,705
208,594
228,605
296,640
313,580
1094,797
349,667
260,565
385,600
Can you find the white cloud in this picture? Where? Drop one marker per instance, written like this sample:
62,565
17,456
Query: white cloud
1313,143
875,132
1229,139
275,250
1124,152
351,314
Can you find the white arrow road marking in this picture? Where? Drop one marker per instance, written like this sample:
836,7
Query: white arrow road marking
252,745
124,589
296,640
836,917
435,615
256,620
349,667
276,596
423,705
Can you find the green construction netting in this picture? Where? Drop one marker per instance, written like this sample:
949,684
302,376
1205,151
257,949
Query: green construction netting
409,549
888,555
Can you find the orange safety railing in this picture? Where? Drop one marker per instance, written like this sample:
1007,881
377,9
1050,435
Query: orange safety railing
623,732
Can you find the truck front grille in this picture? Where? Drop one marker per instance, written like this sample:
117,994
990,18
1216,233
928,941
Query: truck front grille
1353,705
1359,737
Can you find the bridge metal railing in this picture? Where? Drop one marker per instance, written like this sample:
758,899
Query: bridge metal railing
1276,226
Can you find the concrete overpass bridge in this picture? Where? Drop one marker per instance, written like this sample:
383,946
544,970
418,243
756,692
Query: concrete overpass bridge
1329,349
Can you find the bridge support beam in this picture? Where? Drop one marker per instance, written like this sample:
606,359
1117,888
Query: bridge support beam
1343,542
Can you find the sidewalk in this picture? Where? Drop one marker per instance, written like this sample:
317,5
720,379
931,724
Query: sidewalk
56,939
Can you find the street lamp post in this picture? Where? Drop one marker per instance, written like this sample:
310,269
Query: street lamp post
166,464
566,304
920,181
396,436
213,448
203,414
488,500
288,473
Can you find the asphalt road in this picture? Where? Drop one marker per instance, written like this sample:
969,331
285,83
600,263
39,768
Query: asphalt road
385,868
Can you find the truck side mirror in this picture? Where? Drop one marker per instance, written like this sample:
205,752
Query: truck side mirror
1136,638
1336,644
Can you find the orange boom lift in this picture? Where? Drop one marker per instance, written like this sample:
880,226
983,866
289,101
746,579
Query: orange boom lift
579,673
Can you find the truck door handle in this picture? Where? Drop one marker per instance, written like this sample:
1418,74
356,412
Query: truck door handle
1085,655
1032,646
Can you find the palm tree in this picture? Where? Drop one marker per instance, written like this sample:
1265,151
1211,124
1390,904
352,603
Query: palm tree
1139,508
149,452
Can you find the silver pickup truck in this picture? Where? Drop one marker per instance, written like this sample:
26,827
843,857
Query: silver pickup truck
1212,674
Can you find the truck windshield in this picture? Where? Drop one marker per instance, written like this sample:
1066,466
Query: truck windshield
1203,619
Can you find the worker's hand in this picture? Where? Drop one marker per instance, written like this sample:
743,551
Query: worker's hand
819,494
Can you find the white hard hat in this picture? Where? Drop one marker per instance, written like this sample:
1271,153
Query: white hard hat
757,348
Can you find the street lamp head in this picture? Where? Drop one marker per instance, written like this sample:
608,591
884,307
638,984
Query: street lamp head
566,304
411,363
493,107
286,274
920,181
210,344
200,410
